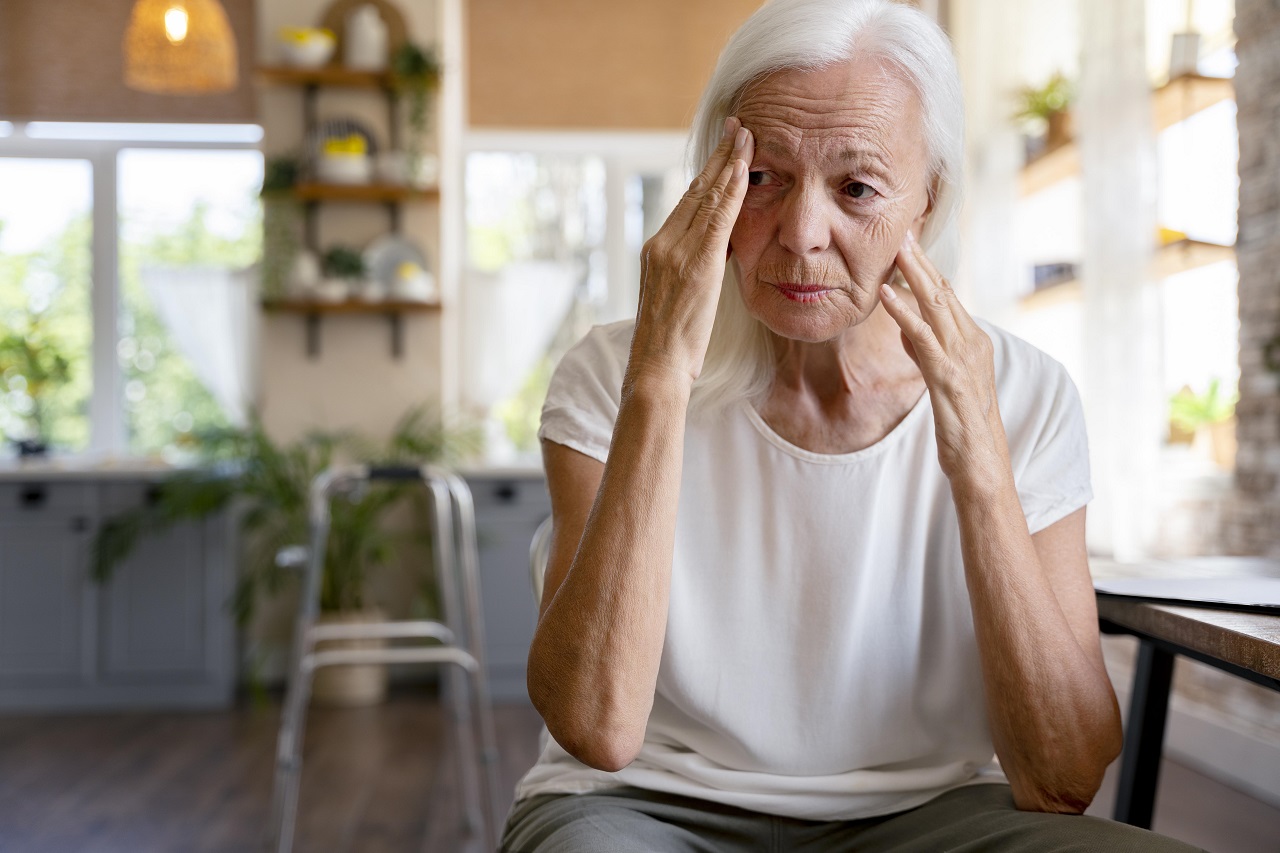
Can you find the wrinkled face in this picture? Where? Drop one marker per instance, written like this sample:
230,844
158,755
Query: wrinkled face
839,175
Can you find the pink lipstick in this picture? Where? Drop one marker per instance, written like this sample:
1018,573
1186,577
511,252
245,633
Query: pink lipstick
801,292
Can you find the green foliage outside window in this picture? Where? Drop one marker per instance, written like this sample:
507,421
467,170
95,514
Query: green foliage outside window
46,335
46,332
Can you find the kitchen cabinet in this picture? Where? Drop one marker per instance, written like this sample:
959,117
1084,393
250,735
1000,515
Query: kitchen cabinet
158,634
509,507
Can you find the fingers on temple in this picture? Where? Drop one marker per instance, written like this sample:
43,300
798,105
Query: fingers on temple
722,202
692,201
720,208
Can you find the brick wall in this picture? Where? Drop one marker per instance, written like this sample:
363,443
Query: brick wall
1252,519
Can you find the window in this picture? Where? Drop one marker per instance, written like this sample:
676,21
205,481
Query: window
555,223
124,256
46,326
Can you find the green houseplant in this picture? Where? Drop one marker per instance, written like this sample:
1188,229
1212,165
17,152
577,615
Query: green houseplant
345,263
269,484
1046,110
32,364
1207,419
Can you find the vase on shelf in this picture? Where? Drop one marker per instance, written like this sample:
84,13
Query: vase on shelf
365,40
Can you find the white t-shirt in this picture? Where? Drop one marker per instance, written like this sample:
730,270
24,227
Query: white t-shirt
820,659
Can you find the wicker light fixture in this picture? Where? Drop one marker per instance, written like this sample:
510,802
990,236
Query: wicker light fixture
179,47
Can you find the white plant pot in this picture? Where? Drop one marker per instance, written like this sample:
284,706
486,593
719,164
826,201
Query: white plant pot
344,169
332,290
312,52
350,685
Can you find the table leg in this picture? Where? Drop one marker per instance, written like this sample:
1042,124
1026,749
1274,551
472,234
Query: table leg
1144,741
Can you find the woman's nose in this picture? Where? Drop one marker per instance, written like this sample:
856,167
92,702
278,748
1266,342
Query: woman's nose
804,224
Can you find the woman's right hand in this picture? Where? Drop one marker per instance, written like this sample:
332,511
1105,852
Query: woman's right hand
682,266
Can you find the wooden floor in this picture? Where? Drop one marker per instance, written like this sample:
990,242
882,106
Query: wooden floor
377,779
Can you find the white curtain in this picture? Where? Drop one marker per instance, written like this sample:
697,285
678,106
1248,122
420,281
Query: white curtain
510,319
1122,392
983,30
212,316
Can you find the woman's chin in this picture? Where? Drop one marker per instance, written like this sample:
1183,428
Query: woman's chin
812,321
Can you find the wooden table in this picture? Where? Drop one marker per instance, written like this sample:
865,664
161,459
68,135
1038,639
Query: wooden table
1246,644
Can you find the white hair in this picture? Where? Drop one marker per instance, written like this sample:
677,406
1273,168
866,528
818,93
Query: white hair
815,34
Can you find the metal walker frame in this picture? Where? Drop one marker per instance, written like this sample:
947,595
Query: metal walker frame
461,638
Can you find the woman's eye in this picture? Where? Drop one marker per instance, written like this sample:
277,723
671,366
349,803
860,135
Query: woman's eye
756,179
859,190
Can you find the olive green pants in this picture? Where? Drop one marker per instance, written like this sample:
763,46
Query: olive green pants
975,819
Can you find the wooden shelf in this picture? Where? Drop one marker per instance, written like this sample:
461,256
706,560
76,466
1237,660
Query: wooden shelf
393,309
326,75
364,193
1187,254
1183,97
1175,101
1049,168
1170,259
349,306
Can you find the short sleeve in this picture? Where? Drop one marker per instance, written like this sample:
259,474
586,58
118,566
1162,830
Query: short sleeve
1055,480
586,389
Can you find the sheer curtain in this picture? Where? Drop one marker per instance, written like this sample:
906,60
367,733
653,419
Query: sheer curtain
1122,391
212,315
988,278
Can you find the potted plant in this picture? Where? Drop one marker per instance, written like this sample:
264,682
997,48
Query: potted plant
1045,111
269,485
1206,420
415,75
32,365
344,269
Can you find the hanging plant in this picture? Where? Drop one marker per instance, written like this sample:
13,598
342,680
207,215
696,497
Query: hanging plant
280,175
281,218
415,75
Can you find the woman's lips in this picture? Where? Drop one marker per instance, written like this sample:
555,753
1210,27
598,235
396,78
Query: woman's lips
802,292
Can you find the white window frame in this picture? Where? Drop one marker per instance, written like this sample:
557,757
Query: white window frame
100,145
623,153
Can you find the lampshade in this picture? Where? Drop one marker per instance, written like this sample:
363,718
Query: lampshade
179,47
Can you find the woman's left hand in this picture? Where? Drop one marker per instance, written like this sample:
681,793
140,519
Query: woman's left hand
955,356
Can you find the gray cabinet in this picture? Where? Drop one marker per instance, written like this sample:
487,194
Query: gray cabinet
42,612
509,507
158,634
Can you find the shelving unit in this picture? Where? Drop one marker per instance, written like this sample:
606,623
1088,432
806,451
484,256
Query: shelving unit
1177,100
312,194
1170,259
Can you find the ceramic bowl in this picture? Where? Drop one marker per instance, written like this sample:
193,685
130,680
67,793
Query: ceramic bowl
307,48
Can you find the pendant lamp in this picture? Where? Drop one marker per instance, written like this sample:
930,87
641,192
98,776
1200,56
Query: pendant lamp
179,47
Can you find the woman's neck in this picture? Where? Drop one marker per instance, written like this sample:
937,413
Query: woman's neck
863,358
846,394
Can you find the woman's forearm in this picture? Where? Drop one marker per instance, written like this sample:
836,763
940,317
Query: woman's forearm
593,664
1054,719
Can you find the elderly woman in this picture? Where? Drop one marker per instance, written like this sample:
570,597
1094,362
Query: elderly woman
818,551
